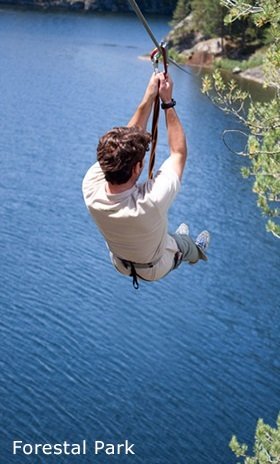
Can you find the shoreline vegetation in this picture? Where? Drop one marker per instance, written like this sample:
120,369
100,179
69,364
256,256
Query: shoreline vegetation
190,47
207,60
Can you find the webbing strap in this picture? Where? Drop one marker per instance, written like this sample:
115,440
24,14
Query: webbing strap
133,266
134,277
129,265
162,50
154,136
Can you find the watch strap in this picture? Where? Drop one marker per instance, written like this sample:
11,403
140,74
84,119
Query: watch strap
170,104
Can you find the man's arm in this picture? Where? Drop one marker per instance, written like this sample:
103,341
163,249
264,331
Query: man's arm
175,131
143,111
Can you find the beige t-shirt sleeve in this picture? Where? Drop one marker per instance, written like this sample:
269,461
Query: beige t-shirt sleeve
92,180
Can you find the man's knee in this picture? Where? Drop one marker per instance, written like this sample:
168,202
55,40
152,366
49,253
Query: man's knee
187,247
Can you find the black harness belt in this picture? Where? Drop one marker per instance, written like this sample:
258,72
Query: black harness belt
133,266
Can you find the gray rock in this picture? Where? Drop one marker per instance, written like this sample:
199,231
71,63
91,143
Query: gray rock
236,70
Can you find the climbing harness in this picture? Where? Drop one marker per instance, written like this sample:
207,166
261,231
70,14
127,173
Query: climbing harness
130,265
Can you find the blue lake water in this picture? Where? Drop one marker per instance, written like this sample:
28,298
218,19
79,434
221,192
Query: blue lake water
176,367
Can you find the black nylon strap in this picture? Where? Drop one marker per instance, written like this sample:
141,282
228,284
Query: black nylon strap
134,276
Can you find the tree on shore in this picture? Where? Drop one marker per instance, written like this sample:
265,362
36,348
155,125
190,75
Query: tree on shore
208,17
182,10
266,446
262,120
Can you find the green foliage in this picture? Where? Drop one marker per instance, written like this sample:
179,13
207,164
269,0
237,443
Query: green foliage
256,59
182,9
262,119
211,18
176,56
266,447
265,11
208,17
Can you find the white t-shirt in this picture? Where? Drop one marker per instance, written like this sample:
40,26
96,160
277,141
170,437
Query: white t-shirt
134,223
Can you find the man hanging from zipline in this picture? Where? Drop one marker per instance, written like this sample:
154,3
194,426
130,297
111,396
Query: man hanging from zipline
132,216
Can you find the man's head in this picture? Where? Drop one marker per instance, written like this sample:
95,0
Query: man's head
120,151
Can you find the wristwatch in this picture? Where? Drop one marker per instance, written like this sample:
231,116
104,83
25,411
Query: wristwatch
170,104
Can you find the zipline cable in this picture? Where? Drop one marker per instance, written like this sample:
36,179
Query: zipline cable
143,20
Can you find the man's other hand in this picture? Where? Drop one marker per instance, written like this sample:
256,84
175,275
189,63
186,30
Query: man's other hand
165,87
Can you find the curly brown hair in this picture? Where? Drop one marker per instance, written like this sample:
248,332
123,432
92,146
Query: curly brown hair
119,150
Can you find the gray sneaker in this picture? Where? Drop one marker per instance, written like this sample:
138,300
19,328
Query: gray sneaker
183,229
202,242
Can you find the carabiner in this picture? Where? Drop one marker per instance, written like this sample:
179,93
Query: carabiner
155,56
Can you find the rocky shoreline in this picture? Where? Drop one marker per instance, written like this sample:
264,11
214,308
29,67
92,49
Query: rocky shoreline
254,74
193,49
